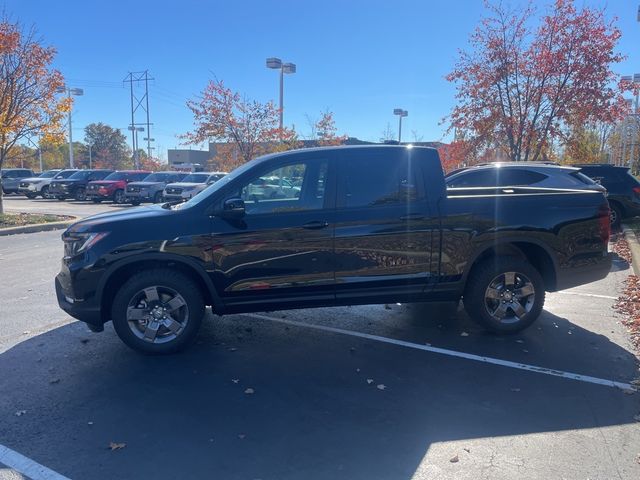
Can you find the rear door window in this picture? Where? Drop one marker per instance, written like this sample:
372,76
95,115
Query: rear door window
377,181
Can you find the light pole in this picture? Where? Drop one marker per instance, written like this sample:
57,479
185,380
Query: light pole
401,113
135,131
90,146
635,82
75,92
276,64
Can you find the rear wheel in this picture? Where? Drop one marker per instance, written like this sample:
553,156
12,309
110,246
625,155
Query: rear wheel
45,191
615,215
157,198
158,311
505,295
119,196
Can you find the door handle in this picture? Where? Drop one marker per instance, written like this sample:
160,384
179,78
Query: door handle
412,216
315,225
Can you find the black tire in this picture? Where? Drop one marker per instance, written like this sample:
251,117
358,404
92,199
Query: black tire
60,198
615,216
163,280
97,200
483,294
119,197
157,198
30,195
81,195
135,203
45,191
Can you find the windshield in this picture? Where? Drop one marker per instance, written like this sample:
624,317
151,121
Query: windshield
48,174
64,174
82,174
116,176
195,178
157,177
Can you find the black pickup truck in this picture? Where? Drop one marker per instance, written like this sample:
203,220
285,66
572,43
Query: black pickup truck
364,225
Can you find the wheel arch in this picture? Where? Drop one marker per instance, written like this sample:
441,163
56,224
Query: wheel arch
119,272
534,253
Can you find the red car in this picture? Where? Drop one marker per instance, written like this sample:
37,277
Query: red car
113,186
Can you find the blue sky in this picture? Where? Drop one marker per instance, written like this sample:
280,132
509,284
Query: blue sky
360,59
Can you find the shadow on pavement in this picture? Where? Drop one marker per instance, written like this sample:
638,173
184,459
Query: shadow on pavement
312,414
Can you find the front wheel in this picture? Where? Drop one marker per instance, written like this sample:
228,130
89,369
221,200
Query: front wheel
158,311
45,191
97,200
81,195
157,198
505,295
119,197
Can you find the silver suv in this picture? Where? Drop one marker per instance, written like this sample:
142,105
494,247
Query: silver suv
150,189
191,185
11,177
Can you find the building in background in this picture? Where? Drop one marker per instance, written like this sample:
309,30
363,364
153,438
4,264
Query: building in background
188,160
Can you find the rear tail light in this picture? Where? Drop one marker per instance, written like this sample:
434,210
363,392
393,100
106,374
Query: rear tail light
636,190
604,220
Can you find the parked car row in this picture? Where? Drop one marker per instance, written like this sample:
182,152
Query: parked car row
97,185
620,186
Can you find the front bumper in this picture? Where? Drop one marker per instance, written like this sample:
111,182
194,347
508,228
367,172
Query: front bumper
87,311
29,188
169,197
139,196
101,194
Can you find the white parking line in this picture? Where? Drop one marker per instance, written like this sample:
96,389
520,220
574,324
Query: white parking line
26,466
453,353
592,295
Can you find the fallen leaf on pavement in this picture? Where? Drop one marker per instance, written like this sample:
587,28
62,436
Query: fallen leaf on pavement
19,413
235,380
468,450
455,459
381,386
249,391
369,381
116,446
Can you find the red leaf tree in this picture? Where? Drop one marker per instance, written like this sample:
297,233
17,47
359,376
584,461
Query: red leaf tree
519,87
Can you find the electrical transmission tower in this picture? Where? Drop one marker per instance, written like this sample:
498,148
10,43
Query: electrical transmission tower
139,102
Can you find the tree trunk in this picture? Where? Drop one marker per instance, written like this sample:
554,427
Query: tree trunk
1,203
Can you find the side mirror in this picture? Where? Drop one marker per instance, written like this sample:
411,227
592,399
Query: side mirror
233,208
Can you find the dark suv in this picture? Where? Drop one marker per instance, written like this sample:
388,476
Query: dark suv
76,185
622,187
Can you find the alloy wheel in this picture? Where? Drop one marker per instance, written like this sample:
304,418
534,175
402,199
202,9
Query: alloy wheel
157,314
509,297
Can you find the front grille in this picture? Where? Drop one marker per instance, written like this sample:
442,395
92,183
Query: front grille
133,189
24,184
174,191
92,187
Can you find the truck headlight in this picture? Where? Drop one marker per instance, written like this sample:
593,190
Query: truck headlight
77,243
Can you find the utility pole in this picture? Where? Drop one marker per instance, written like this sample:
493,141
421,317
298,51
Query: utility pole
401,113
139,102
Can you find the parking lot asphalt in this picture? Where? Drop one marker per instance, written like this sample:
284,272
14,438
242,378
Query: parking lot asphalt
291,395
16,203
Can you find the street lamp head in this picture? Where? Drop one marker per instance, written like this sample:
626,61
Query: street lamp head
274,62
289,68
405,113
76,91
61,89
636,78
626,78
397,111
639,13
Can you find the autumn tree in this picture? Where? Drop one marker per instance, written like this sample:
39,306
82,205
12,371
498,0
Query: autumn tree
28,84
587,143
519,86
108,146
324,131
246,128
